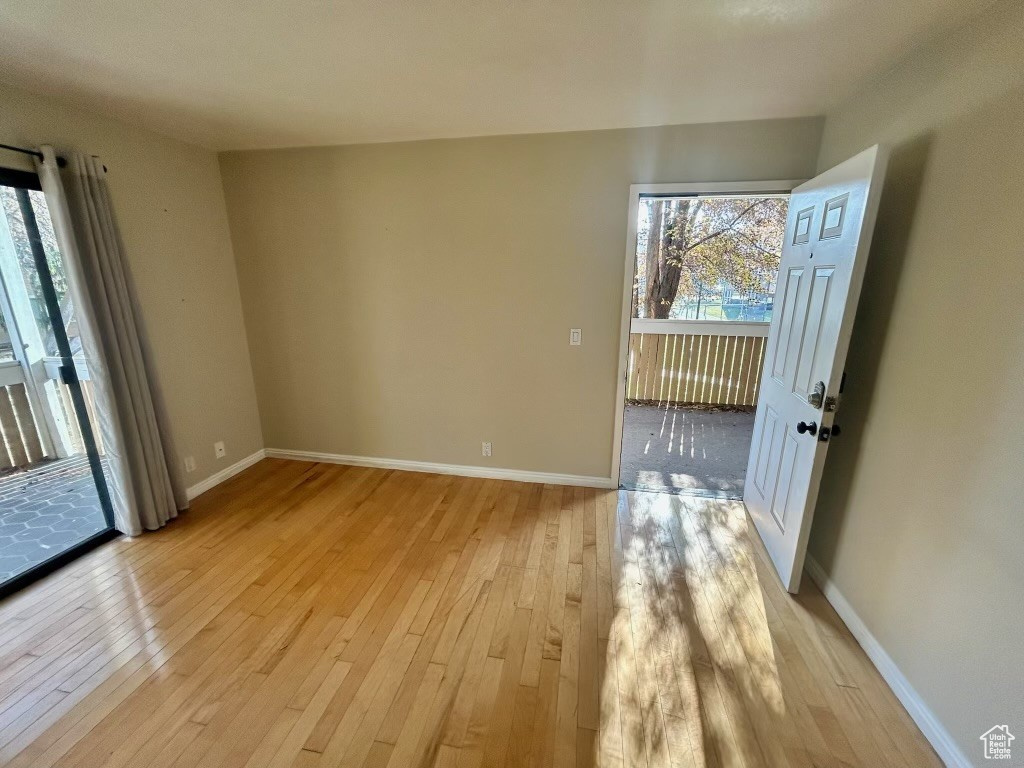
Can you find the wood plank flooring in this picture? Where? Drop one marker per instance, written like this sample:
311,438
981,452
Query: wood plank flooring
316,615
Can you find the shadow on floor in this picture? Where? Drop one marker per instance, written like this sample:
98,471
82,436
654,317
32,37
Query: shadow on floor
685,449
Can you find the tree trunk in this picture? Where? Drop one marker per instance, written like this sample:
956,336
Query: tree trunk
652,268
664,262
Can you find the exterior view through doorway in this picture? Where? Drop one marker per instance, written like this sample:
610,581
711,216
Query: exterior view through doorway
702,263
704,266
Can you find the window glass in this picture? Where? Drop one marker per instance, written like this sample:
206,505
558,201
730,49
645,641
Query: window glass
708,258
19,236
6,348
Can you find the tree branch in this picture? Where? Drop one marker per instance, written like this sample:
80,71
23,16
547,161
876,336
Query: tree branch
755,244
724,229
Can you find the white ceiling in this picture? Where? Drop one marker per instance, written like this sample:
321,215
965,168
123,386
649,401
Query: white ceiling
232,74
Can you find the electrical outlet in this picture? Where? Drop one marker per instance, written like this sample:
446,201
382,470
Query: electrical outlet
218,449
575,337
190,463
487,449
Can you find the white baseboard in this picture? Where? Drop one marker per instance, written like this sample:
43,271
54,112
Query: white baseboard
465,470
943,743
216,479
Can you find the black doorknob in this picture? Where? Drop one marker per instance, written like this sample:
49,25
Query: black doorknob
811,427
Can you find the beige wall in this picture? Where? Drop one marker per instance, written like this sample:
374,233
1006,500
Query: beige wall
170,208
922,508
409,301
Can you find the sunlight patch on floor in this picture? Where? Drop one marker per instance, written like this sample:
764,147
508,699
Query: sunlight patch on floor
687,634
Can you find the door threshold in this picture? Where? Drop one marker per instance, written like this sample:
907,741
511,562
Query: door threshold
59,560
704,493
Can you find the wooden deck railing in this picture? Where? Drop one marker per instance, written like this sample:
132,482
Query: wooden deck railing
72,421
20,444
695,363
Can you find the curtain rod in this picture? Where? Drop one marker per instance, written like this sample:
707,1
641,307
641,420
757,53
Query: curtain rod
61,162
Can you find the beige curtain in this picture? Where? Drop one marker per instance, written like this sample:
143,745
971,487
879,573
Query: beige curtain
146,488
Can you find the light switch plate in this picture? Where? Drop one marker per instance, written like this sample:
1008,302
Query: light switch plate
575,337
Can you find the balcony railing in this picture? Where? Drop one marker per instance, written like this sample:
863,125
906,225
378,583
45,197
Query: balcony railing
694,362
20,444
22,441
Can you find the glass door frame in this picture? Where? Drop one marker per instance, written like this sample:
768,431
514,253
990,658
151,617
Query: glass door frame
22,182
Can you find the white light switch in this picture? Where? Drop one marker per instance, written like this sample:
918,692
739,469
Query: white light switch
575,337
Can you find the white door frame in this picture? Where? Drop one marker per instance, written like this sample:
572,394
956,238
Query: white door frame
636,191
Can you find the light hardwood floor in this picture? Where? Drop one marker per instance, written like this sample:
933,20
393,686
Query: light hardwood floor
317,615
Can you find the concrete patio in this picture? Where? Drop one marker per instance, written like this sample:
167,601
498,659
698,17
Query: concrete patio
685,449
45,510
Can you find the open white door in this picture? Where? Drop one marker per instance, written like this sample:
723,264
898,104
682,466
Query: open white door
825,251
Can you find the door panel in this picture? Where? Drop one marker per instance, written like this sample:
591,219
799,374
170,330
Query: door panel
781,498
763,446
834,216
824,253
790,300
810,344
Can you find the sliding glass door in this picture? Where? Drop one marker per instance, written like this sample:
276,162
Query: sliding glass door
54,498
